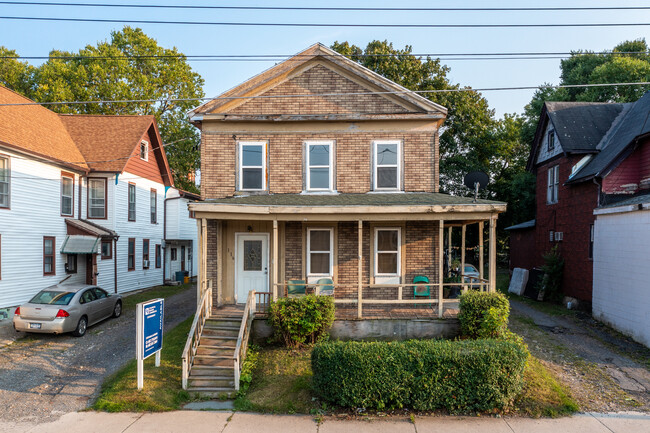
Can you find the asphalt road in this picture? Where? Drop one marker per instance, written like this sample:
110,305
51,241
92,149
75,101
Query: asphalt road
43,377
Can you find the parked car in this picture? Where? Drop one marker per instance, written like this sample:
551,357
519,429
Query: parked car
471,274
67,308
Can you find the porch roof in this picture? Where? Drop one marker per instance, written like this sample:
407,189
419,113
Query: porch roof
363,205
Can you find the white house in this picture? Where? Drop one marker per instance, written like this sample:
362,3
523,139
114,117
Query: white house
180,235
81,200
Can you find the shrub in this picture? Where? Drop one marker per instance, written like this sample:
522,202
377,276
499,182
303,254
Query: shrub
551,283
483,314
303,320
460,376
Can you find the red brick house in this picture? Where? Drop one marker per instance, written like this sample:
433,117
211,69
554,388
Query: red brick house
585,155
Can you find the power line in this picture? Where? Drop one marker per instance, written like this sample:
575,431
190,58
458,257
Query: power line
305,8
267,24
312,95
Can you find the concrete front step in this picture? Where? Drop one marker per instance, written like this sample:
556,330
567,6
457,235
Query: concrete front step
212,392
212,370
211,381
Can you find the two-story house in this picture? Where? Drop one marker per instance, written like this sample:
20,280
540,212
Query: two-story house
81,200
319,168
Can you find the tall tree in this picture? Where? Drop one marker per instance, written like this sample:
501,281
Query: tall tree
129,66
14,74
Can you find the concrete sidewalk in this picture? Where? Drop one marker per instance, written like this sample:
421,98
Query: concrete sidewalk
231,422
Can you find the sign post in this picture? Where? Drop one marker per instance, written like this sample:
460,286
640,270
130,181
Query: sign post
149,317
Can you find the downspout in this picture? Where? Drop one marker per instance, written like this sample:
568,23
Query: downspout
115,262
81,177
600,188
164,257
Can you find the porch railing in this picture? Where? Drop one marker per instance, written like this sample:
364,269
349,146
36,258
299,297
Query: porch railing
194,337
262,301
242,339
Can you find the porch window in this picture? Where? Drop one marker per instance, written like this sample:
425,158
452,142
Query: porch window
49,264
67,194
553,182
4,181
319,165
71,264
131,202
387,251
144,151
145,253
386,165
131,255
153,203
173,254
252,166
320,248
97,198
158,259
107,250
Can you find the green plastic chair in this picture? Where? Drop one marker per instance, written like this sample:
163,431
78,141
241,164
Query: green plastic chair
296,288
421,291
326,290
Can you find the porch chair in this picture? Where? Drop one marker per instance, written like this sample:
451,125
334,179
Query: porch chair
327,289
296,288
421,291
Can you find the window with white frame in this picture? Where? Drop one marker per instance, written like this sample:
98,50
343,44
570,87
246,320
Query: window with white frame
4,181
552,182
320,167
320,251
67,194
386,165
144,151
97,198
551,140
387,251
252,165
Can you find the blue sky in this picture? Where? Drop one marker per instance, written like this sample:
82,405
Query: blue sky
32,38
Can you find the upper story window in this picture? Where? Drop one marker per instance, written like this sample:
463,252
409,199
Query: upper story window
252,165
320,165
67,194
387,251
131,255
551,140
386,165
4,181
320,252
131,202
97,198
553,182
153,200
144,151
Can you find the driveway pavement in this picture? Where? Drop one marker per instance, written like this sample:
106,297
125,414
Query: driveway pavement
43,377
229,422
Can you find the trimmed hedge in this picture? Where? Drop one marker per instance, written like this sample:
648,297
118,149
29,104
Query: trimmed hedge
460,376
303,320
483,314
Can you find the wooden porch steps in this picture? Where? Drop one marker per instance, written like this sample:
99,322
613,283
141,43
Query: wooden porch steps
212,373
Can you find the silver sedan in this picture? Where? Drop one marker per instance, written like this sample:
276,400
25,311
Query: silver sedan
67,308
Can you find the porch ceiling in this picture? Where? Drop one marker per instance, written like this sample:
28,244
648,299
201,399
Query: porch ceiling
337,207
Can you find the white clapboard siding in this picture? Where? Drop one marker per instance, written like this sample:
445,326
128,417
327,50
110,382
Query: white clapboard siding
35,212
621,293
181,227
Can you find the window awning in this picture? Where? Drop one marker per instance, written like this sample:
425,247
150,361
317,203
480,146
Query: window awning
77,244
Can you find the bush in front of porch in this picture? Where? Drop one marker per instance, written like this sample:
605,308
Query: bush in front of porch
303,320
483,314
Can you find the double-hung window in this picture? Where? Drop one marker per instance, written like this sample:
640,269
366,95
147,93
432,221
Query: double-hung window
131,255
387,252
252,165
145,253
153,200
131,202
144,151
320,167
320,252
387,161
67,194
97,198
158,256
49,264
552,182
4,181
550,139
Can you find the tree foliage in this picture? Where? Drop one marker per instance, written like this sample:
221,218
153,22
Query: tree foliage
132,67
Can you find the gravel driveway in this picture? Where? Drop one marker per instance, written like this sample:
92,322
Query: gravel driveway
43,377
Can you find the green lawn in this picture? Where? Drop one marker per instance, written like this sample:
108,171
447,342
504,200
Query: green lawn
130,301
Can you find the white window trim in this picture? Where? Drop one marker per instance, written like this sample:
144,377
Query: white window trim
104,183
552,184
146,152
550,134
398,165
399,252
71,197
330,144
241,168
8,171
331,251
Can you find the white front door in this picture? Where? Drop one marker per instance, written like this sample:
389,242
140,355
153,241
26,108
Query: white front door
251,265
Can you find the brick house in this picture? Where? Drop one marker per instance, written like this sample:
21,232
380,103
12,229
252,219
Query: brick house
320,168
585,156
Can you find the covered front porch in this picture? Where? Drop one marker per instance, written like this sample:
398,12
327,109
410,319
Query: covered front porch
381,256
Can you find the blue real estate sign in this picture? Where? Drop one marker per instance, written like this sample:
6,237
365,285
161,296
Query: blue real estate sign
152,316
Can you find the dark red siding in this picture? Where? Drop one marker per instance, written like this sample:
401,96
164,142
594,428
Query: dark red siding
631,175
522,242
149,169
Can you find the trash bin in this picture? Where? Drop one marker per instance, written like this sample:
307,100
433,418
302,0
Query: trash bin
186,277
180,276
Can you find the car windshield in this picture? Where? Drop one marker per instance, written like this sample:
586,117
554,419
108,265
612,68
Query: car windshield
469,269
52,297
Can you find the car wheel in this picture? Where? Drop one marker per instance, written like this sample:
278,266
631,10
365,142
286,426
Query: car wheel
117,311
81,327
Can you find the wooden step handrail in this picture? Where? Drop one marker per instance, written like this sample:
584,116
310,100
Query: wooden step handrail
194,336
242,339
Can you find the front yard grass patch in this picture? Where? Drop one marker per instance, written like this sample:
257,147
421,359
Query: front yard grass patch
130,301
162,385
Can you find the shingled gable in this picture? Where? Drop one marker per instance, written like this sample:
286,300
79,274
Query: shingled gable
317,70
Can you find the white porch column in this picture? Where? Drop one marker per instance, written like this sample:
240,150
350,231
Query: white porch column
493,254
462,254
441,266
449,231
200,271
480,253
360,271
275,263
219,285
